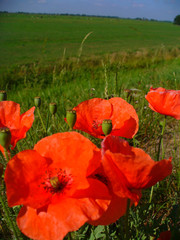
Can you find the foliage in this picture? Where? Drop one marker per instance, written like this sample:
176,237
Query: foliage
177,20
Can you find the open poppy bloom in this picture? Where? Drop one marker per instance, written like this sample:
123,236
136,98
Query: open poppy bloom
91,113
128,170
165,235
18,124
163,101
53,183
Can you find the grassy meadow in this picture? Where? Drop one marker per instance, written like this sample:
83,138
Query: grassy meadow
52,56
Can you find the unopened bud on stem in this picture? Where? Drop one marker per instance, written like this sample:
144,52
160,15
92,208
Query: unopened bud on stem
53,108
3,95
5,137
107,126
37,101
71,118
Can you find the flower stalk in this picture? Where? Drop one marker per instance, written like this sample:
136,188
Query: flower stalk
8,219
44,128
126,219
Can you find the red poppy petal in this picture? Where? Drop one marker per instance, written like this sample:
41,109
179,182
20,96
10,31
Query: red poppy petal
26,121
9,114
90,115
137,167
27,118
58,219
115,144
124,118
92,188
164,101
118,182
71,151
165,235
116,209
23,180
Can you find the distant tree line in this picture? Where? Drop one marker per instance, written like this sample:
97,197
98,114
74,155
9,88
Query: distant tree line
85,15
177,20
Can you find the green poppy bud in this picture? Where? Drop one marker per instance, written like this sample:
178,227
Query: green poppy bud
37,101
5,137
107,126
53,108
71,118
3,95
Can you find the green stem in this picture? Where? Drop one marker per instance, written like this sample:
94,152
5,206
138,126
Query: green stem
158,153
70,236
106,232
41,120
126,219
6,154
160,139
7,216
47,122
18,147
54,123
151,194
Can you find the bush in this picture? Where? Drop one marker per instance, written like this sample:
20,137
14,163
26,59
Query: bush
177,20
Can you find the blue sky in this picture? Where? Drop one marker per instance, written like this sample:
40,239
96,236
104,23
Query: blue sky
156,9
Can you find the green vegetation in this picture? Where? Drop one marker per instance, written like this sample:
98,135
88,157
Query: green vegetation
177,20
27,38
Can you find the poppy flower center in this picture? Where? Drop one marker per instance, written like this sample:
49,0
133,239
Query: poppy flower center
58,182
101,178
96,124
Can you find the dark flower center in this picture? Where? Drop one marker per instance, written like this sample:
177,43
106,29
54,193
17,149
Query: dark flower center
58,182
101,178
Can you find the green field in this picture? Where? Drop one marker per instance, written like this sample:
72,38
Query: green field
26,38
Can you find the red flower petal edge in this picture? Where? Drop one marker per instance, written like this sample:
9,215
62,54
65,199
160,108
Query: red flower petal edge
163,101
91,113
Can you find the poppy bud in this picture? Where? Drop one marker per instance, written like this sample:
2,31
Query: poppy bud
5,137
71,118
107,126
3,95
53,108
37,101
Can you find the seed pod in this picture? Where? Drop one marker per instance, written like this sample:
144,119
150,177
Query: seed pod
3,95
107,126
5,137
37,101
53,108
71,118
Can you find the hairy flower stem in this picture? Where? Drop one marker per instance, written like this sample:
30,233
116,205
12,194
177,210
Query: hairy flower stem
70,236
7,214
126,220
158,153
44,128
6,154
106,232
161,138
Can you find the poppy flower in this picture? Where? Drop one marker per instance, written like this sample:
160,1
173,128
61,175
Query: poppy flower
17,123
52,182
128,171
163,101
165,235
91,113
